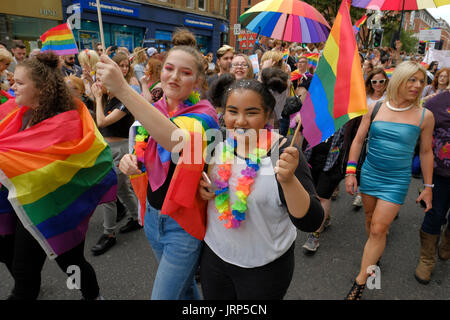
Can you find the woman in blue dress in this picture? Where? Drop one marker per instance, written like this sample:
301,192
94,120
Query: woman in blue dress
386,172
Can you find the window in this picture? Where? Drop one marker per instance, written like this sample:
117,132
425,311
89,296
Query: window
190,4
202,4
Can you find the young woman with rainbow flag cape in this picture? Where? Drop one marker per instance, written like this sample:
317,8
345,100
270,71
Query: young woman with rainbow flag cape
174,219
55,168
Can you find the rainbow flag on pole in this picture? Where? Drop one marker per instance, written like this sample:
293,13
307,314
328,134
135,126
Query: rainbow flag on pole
359,23
53,175
60,40
337,93
313,59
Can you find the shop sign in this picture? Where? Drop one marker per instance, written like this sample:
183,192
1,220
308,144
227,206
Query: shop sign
112,8
198,23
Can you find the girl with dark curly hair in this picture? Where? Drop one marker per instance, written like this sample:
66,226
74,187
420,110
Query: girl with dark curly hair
50,135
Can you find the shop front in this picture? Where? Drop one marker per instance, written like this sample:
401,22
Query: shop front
132,24
27,20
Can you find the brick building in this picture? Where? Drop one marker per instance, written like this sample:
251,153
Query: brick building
417,20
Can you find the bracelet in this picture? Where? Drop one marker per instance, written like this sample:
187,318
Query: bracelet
351,167
428,185
350,174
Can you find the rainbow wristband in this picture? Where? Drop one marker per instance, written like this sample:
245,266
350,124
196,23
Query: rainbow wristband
351,167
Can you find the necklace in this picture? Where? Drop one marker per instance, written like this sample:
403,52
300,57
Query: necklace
399,109
233,215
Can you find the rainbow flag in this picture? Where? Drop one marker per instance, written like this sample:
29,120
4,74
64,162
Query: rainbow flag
359,23
181,201
7,107
313,59
4,96
55,173
60,40
389,72
286,54
337,93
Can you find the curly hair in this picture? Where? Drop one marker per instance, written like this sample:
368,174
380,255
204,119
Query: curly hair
54,96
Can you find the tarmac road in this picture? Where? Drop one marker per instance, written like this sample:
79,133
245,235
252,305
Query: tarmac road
127,270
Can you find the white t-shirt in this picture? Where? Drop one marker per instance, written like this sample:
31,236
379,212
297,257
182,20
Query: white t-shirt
371,101
266,233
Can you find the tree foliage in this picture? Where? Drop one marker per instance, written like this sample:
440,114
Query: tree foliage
330,8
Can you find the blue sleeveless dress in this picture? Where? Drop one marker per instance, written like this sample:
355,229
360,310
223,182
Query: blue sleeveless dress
386,172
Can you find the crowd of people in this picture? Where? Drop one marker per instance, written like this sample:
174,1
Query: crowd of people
232,217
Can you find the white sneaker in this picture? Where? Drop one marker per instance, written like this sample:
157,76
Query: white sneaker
357,202
312,243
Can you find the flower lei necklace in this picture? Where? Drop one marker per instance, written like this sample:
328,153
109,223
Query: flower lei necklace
234,216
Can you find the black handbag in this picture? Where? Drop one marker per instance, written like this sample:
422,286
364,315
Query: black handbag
365,146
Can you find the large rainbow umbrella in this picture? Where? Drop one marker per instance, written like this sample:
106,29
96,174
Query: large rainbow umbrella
399,5
287,20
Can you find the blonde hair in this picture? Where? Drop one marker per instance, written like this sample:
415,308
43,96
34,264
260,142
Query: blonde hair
90,58
276,56
223,50
400,76
76,82
139,56
5,55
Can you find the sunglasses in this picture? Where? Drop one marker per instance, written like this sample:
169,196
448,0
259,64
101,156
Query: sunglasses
382,81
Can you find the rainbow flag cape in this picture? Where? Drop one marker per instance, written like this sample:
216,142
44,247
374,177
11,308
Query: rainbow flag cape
359,23
9,106
182,202
60,40
54,174
337,92
4,96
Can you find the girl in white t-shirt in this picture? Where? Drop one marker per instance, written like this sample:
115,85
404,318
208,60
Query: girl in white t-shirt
257,198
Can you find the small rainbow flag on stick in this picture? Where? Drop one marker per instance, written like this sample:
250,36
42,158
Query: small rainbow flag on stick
359,23
60,40
389,72
337,92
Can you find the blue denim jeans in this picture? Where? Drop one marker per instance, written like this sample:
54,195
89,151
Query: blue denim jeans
436,217
178,256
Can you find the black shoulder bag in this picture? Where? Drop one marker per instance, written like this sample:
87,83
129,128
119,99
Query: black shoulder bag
365,147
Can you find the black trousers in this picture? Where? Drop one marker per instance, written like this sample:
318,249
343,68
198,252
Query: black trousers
25,258
224,281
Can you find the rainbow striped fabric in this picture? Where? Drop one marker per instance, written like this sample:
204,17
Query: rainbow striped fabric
60,40
181,201
54,174
337,92
4,96
313,59
389,72
359,23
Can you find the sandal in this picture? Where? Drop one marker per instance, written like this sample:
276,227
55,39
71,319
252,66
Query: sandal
356,291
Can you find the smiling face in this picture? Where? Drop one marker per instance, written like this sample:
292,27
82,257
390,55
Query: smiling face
179,76
239,67
244,110
26,92
378,83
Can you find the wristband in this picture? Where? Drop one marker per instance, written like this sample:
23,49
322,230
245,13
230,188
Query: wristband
351,167
428,185
350,174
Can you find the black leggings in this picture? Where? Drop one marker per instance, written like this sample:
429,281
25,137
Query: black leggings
25,258
223,281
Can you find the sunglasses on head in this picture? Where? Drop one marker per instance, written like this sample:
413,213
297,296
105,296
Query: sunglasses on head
382,81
